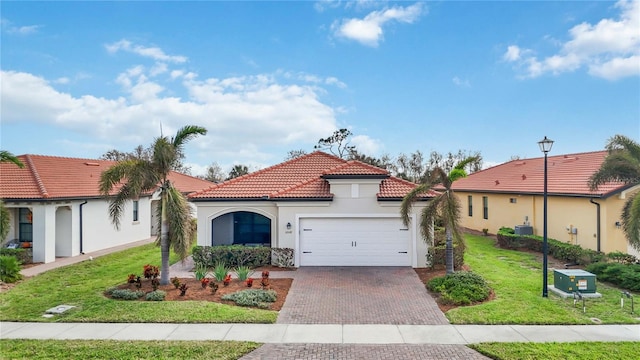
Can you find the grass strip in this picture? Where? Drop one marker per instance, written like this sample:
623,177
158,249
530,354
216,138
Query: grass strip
111,349
551,351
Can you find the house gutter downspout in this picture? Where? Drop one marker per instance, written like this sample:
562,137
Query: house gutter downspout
82,204
597,223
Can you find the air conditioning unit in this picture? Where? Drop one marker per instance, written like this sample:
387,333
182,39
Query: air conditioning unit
523,230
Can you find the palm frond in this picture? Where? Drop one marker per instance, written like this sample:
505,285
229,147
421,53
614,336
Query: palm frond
428,217
410,199
631,220
187,133
6,156
132,178
164,156
617,166
179,220
621,142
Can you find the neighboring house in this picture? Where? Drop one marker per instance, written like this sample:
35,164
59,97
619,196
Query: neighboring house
512,194
332,212
56,208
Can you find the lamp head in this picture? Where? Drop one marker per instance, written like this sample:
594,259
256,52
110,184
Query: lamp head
545,145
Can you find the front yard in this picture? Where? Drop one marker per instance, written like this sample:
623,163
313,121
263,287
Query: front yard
83,285
516,278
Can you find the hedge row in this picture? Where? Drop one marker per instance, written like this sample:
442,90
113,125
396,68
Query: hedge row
626,276
239,255
558,249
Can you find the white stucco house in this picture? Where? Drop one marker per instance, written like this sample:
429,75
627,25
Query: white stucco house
332,212
57,211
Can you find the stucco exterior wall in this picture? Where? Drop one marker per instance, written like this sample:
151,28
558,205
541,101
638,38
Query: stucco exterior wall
570,219
100,233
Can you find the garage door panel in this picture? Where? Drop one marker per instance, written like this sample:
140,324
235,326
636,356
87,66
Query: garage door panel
354,242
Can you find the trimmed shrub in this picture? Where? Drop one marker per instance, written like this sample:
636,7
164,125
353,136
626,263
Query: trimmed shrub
232,255
157,295
460,288
24,256
252,297
126,294
9,269
437,254
282,257
623,258
626,276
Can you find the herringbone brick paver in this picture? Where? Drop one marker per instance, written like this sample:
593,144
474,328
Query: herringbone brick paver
359,295
363,352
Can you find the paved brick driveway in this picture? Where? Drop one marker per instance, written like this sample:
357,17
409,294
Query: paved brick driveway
359,295
364,352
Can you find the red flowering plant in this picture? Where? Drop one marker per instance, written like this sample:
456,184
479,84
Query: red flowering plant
204,282
249,282
227,280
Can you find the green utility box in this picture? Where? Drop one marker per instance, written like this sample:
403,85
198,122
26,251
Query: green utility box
571,281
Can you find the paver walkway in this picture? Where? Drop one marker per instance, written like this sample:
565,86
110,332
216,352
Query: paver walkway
359,295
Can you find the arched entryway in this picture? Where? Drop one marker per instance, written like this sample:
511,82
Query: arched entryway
241,228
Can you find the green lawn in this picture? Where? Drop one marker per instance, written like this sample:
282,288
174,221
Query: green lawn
517,281
83,284
110,349
551,351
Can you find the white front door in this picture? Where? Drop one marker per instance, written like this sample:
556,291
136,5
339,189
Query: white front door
354,242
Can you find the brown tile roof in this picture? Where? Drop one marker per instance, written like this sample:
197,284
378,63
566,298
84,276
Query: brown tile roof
52,177
302,178
566,175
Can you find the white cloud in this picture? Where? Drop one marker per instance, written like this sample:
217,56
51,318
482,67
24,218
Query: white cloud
609,49
368,31
461,82
366,145
244,115
151,52
62,80
20,30
512,54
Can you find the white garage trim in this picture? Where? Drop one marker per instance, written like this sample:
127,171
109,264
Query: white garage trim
299,233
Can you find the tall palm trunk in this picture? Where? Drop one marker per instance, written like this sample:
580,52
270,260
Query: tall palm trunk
449,250
164,240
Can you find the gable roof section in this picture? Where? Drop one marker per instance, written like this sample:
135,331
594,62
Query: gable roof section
53,177
302,178
567,175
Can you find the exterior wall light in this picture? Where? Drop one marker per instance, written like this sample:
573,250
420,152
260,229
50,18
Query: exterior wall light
288,226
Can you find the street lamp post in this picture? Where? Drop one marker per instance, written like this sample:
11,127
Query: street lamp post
545,146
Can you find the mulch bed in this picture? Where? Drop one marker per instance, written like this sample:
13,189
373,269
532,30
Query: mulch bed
195,292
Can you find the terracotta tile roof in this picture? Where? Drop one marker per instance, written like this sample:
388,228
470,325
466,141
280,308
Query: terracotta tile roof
566,175
52,177
395,188
301,178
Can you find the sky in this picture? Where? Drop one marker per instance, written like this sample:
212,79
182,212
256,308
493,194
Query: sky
263,77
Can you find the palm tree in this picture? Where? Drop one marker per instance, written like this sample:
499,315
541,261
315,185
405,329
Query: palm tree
132,177
623,164
445,206
5,217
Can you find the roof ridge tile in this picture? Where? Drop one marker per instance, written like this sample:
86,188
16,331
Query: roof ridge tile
36,175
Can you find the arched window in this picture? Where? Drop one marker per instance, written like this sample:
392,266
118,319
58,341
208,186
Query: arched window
241,228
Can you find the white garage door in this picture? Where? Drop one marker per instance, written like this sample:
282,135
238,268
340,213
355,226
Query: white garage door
354,242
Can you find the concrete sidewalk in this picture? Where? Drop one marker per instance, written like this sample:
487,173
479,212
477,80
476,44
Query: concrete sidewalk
60,262
323,333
